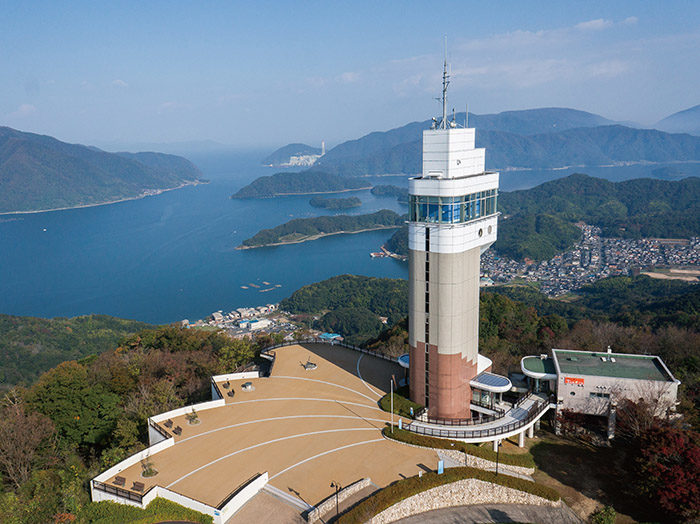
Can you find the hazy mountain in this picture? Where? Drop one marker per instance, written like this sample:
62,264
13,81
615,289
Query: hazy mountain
687,121
585,146
526,122
39,172
304,183
282,155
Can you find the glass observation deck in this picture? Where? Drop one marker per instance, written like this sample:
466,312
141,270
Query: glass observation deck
452,210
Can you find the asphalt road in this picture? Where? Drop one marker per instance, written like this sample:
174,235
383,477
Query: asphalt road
489,513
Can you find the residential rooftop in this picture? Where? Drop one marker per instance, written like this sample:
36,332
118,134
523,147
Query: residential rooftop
616,365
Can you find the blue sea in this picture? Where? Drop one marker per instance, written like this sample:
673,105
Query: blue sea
172,256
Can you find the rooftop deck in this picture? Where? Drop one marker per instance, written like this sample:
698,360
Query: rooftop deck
306,428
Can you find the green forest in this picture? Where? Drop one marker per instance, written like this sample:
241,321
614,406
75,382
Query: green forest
641,207
535,236
300,229
335,204
29,346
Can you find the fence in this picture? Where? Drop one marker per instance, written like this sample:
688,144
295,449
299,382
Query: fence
163,433
533,413
332,343
119,492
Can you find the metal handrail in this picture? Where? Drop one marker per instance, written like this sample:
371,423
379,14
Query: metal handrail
533,413
119,492
267,349
216,387
160,430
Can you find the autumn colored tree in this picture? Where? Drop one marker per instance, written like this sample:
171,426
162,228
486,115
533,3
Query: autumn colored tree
669,470
21,436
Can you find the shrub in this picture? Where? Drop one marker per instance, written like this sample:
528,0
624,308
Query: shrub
606,515
402,405
524,460
157,511
403,489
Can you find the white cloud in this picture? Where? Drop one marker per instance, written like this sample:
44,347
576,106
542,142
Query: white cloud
349,77
594,25
23,111
630,20
119,83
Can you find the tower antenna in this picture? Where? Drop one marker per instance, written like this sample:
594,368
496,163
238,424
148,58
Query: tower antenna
445,83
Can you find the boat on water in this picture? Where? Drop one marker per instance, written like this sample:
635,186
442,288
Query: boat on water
244,287
378,255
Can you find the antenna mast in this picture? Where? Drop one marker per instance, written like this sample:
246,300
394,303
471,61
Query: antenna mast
445,83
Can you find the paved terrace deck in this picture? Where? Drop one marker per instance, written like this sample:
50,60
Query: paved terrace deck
305,428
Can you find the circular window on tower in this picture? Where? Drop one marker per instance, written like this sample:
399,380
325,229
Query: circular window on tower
481,232
490,229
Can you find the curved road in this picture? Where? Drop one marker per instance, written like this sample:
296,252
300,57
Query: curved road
485,513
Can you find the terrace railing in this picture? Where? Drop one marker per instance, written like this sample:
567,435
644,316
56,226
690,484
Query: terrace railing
533,413
119,492
332,343
159,429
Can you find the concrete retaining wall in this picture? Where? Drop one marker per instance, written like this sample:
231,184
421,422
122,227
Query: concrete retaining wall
329,504
460,493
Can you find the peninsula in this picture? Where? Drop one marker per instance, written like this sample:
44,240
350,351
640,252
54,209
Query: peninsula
303,183
41,173
306,229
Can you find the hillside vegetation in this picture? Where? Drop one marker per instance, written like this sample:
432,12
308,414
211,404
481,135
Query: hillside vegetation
301,229
39,172
303,183
640,207
29,346
85,416
535,236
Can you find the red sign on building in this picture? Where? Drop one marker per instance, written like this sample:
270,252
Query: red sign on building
573,380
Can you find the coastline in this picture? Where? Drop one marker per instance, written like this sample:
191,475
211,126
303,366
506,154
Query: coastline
316,237
154,192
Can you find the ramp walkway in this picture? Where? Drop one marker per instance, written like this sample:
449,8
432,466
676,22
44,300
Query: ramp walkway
519,419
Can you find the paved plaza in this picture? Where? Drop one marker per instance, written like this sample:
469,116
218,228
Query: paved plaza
306,428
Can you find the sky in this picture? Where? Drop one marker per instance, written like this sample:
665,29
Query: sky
263,74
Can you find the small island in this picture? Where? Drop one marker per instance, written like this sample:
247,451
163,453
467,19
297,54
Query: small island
305,229
303,183
335,203
388,190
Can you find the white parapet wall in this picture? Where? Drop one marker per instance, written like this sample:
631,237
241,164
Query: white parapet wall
220,515
188,409
246,375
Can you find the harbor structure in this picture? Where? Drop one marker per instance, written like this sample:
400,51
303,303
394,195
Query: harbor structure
453,219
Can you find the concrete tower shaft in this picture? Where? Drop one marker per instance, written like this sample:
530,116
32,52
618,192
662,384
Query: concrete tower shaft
452,220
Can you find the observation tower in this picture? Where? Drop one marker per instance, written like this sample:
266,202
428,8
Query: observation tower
453,219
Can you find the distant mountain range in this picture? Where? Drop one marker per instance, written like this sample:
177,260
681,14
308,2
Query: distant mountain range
687,121
304,183
536,138
39,172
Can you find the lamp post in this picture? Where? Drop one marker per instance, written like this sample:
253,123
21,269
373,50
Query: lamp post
391,394
337,487
498,451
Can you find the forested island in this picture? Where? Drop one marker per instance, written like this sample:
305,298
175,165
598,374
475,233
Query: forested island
335,203
40,173
382,190
303,183
304,229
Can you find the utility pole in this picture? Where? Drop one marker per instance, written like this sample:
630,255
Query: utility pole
337,487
